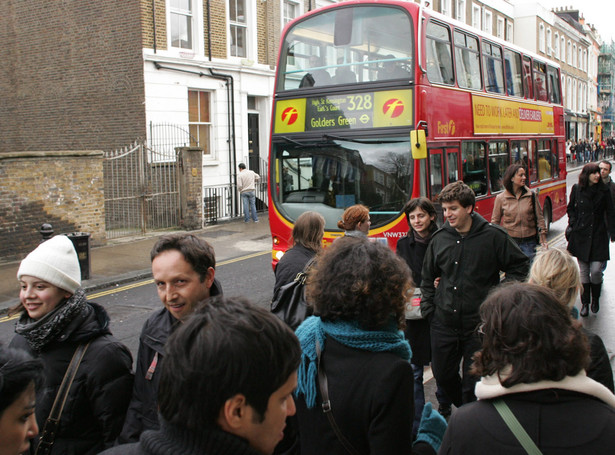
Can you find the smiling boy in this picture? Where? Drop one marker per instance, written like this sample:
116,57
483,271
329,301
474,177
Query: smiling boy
468,254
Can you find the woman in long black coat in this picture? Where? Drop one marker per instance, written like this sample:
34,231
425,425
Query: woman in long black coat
591,222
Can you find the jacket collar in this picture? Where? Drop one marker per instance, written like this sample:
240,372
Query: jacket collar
490,387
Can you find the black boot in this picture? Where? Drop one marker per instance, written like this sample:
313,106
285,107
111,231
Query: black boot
596,291
585,299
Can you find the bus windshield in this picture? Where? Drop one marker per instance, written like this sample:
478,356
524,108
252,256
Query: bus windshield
332,174
345,46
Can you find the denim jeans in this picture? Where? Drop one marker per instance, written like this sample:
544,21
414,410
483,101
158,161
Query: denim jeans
528,247
248,199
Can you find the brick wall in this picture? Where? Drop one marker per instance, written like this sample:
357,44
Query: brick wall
147,23
61,188
72,74
218,28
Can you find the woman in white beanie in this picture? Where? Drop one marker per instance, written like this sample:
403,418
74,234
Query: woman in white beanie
55,320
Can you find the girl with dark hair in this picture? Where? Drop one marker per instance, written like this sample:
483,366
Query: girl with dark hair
355,221
421,217
20,377
517,210
532,362
591,222
307,241
55,320
358,290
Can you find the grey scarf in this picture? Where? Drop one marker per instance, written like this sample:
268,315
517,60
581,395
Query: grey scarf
47,329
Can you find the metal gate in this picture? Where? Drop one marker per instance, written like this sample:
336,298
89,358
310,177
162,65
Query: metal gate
141,191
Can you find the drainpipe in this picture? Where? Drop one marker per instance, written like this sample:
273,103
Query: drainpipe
209,30
230,96
154,22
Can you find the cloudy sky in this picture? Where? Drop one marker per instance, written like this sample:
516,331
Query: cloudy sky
601,13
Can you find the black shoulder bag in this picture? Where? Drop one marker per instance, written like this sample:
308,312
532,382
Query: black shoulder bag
289,303
51,424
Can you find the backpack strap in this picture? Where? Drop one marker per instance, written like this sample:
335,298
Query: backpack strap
517,429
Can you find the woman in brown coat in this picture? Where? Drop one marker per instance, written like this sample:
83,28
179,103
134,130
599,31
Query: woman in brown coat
517,210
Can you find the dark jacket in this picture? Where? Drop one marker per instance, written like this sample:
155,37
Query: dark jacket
600,366
143,410
559,422
372,403
174,439
293,262
468,268
417,330
94,411
592,218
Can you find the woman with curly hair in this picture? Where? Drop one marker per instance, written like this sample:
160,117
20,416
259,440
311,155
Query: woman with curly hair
358,289
355,221
532,362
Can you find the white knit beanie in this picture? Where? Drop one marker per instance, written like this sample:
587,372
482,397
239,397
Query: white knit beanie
54,261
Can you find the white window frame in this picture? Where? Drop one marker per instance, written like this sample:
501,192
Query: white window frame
446,8
461,10
580,58
549,42
541,38
192,14
209,152
509,31
556,46
299,9
488,22
499,27
574,56
569,53
247,25
476,16
562,50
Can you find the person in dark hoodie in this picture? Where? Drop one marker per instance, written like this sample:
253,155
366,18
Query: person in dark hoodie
55,320
183,266
467,254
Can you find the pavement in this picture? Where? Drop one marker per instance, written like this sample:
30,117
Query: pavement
127,259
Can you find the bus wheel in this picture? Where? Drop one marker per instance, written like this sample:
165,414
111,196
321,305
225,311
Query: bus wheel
546,214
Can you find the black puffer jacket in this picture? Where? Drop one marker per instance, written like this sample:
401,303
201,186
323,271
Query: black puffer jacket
96,406
468,268
143,410
592,218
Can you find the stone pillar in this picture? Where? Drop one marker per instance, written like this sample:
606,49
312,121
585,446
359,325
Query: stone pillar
190,162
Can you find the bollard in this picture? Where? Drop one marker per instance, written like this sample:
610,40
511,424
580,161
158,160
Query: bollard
81,242
46,231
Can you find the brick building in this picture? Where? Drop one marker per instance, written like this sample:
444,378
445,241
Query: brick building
87,76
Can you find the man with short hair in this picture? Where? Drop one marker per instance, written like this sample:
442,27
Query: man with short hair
605,174
467,255
227,383
246,184
183,267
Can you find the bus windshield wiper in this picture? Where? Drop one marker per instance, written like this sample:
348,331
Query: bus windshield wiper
362,141
290,141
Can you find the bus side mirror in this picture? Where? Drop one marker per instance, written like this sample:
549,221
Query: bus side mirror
419,144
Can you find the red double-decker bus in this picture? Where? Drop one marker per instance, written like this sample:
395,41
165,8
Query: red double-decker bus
356,78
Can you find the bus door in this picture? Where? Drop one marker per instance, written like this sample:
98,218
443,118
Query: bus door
436,172
443,169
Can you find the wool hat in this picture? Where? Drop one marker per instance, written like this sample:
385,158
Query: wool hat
54,261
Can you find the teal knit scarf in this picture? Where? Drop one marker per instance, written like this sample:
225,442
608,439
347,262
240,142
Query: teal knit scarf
349,334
